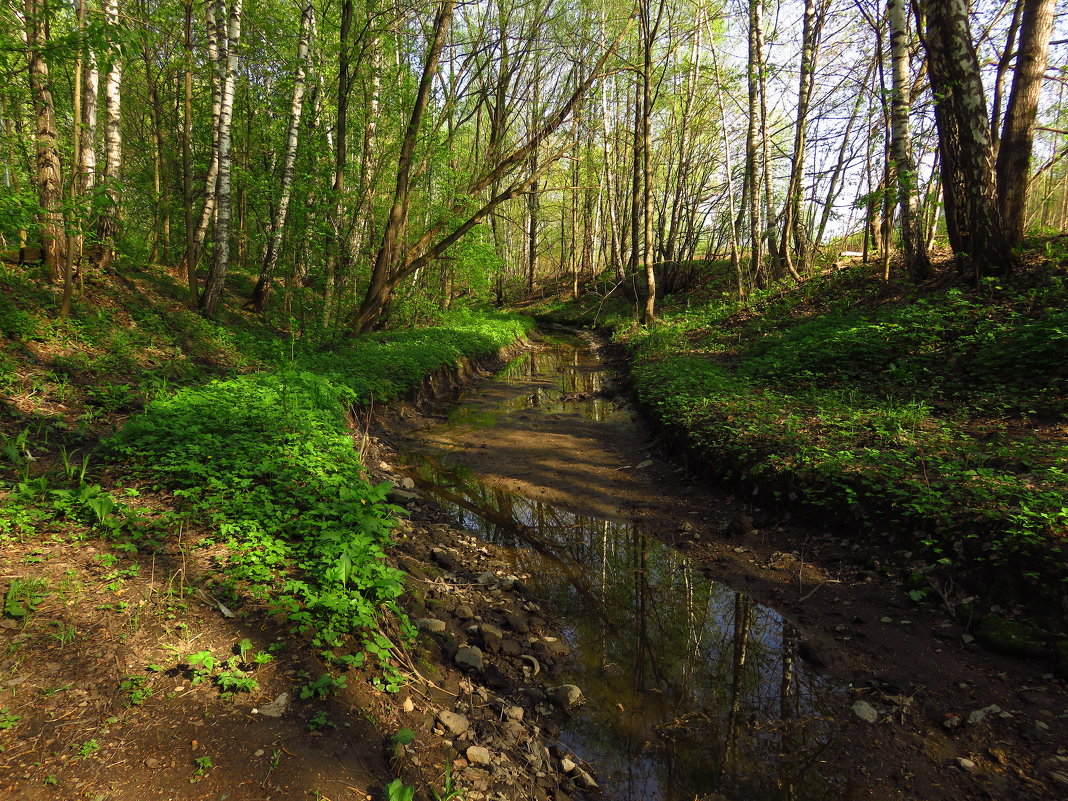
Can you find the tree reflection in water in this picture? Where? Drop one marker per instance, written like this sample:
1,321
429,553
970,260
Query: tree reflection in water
692,688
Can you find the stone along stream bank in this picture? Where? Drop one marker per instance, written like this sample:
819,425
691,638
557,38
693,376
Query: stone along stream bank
666,684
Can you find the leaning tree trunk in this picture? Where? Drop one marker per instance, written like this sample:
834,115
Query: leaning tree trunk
213,286
916,262
109,218
378,289
49,176
262,291
1017,139
972,217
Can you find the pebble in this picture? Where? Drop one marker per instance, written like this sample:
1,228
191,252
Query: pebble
469,657
966,764
407,483
464,611
478,755
886,620
431,625
865,711
454,722
977,715
566,696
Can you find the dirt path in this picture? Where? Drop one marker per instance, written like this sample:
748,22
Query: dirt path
914,670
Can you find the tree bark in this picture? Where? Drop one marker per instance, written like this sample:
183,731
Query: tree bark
213,286
972,217
1014,155
108,228
48,168
916,261
261,293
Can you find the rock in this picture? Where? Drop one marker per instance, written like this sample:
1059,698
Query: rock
464,611
407,483
977,715
488,579
567,765
478,755
517,623
431,625
1011,637
511,647
276,708
686,527
738,526
152,763
865,711
443,558
384,466
514,712
401,497
966,764
455,723
497,679
469,657
585,780
643,465
491,630
886,620
566,696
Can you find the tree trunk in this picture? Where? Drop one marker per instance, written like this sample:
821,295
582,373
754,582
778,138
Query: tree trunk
261,293
916,262
195,240
49,175
108,228
972,217
189,266
213,286
377,291
1017,139
752,151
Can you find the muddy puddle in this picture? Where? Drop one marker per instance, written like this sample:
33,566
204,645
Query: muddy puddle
694,690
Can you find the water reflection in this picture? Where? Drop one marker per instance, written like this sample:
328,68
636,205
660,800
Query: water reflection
693,689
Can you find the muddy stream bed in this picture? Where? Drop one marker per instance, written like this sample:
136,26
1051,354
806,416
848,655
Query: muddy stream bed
692,688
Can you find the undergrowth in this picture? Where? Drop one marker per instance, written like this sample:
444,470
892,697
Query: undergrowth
245,426
931,415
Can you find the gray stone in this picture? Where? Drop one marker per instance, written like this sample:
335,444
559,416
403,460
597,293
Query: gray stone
566,696
517,623
966,764
407,483
977,715
469,657
401,497
453,722
276,708
430,624
865,711
567,765
477,755
488,579
511,647
464,611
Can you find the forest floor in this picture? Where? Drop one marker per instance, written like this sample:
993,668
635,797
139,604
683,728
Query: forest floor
125,676
915,665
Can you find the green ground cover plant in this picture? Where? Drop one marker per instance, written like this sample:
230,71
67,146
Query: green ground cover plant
921,413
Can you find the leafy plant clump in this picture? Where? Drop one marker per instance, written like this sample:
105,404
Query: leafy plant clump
268,461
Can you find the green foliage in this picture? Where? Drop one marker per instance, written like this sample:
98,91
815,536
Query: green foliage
23,596
8,719
268,460
397,790
136,689
322,687
859,402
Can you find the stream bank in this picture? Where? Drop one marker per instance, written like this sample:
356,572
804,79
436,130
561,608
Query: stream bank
902,676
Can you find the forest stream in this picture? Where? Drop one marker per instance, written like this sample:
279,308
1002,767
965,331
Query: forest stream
691,687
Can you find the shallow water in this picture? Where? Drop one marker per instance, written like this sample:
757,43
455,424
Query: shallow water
692,688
